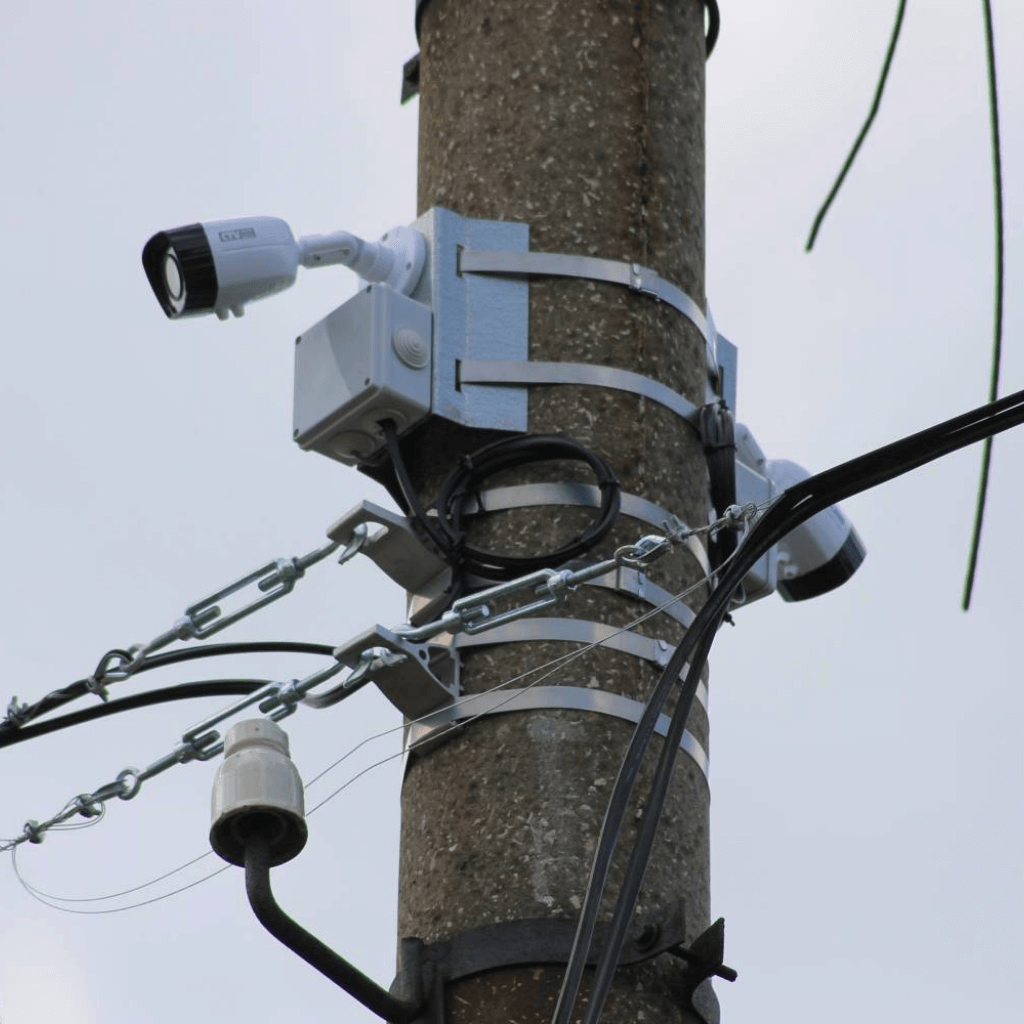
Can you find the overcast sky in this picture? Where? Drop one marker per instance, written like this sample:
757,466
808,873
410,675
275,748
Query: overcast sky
867,833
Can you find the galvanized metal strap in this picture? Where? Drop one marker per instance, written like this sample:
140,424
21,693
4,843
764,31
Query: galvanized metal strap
501,372
550,264
427,732
636,584
570,493
658,652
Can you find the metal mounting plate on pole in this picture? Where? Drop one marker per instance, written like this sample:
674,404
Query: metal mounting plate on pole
475,317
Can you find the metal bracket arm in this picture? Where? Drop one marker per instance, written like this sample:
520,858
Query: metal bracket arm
407,681
395,549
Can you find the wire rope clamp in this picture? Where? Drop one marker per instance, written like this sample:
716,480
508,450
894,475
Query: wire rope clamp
416,677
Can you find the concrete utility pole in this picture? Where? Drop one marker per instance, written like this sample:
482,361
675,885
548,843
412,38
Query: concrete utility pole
585,119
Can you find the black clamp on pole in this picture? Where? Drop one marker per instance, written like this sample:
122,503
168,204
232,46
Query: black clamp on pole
426,970
703,958
718,435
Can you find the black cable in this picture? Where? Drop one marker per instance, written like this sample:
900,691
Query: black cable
405,484
219,650
637,865
864,130
58,698
997,340
446,530
615,813
164,695
714,24
464,483
796,505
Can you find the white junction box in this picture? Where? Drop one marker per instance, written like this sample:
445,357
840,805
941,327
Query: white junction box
369,360
383,355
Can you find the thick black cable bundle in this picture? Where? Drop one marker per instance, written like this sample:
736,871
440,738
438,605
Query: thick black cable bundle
795,506
163,695
58,698
447,530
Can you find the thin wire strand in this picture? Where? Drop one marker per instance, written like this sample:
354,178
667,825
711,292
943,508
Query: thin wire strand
876,103
997,339
111,910
123,892
553,666
548,669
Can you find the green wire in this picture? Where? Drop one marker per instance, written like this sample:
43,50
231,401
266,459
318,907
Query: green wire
997,340
864,130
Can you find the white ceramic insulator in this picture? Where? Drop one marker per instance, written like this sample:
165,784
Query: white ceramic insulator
257,782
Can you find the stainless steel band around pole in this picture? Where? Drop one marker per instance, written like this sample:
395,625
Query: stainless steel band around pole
425,732
658,652
525,495
501,372
630,275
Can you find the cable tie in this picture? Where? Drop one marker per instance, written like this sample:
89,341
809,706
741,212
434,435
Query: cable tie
17,713
94,685
34,832
87,806
676,530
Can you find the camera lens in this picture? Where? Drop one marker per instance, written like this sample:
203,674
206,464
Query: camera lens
181,271
172,276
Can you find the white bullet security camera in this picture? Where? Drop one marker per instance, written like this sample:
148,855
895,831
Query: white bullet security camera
221,265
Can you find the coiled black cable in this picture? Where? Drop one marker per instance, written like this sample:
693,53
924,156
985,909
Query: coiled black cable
447,530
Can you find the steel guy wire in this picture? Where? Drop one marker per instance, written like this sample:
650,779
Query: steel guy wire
202,742
201,621
551,666
733,517
110,910
278,700
114,895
